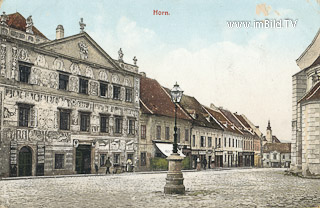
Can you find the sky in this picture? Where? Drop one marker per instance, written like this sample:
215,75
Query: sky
244,70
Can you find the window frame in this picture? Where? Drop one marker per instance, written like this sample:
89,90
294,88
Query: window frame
128,96
59,166
25,122
209,141
106,126
118,94
83,82
143,131
82,115
68,112
27,67
131,128
64,77
118,126
158,132
167,133
101,85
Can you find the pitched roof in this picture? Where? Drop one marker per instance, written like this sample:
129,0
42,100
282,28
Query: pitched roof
242,120
199,115
155,100
17,21
279,147
312,94
223,120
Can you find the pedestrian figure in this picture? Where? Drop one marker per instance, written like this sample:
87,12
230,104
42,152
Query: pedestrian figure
198,164
129,164
204,163
96,167
108,165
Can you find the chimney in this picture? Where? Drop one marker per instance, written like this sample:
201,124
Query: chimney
143,74
59,32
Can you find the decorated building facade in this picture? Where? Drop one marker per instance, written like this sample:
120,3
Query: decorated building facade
66,105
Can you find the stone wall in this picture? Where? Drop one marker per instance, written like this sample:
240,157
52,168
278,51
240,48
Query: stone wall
299,87
310,139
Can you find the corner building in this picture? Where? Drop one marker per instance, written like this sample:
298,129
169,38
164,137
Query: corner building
66,105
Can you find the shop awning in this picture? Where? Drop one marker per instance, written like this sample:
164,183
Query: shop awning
166,149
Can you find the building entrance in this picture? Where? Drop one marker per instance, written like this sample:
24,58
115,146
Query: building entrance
83,159
25,161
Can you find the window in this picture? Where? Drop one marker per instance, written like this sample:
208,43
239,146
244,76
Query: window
116,92
24,73
83,86
236,143
103,89
143,159
216,142
116,158
143,131
186,135
102,159
131,126
178,135
229,142
128,95
202,141
118,125
167,133
130,157
24,112
267,156
85,122
64,119
289,157
219,145
283,157
274,156
59,161
193,140
158,136
225,142
104,124
63,81
232,142
209,141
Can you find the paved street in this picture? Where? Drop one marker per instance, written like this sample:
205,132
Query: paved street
226,188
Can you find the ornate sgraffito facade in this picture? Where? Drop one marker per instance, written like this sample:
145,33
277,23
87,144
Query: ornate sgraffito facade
65,105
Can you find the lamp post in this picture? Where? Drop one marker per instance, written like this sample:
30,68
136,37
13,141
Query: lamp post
174,180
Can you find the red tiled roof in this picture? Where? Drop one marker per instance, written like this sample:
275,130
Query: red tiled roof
17,21
155,100
279,147
243,121
193,107
313,94
223,120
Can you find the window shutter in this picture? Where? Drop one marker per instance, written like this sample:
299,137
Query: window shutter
33,117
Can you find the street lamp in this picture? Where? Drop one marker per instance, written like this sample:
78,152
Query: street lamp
176,95
174,180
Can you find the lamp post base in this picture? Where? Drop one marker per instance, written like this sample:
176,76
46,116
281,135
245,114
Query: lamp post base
174,180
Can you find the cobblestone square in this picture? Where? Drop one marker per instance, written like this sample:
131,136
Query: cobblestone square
224,188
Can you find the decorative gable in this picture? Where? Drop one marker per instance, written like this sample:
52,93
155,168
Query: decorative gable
82,47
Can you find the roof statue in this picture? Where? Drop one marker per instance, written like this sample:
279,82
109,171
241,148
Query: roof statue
29,25
120,55
82,25
135,60
4,18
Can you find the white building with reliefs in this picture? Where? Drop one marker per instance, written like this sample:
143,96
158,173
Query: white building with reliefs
66,105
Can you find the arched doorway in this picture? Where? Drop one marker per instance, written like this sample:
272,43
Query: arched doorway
25,161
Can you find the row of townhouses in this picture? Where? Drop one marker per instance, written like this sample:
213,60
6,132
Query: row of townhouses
67,106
